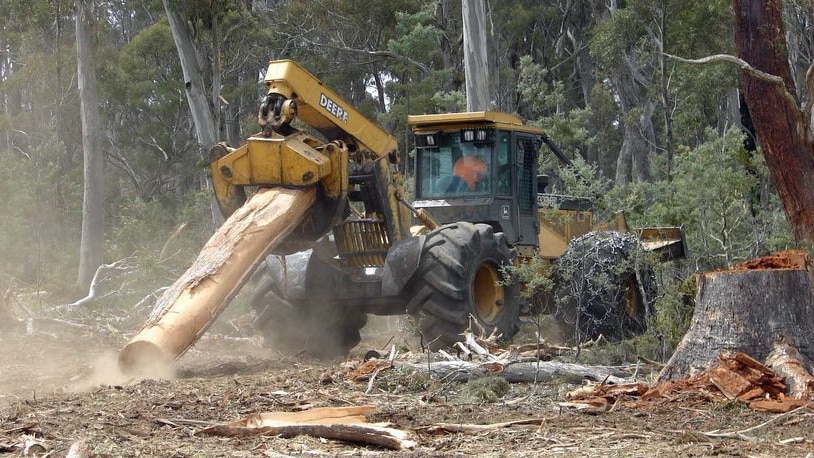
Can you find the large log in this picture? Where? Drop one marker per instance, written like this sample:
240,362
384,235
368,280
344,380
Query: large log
748,309
187,308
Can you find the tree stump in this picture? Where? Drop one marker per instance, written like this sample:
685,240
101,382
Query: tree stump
748,309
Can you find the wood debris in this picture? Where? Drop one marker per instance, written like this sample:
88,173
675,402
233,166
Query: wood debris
443,428
336,423
736,376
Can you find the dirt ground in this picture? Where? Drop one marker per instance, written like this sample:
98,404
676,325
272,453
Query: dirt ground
60,388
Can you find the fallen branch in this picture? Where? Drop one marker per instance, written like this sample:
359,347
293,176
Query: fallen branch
743,433
154,296
440,428
364,434
539,371
99,276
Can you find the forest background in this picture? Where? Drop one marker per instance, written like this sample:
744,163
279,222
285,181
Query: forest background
663,141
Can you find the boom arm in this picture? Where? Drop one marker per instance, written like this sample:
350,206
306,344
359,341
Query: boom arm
320,108
357,159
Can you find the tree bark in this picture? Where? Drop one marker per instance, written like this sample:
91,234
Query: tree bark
476,59
187,308
783,130
91,252
747,309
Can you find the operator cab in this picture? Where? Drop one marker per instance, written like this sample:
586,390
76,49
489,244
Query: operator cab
478,167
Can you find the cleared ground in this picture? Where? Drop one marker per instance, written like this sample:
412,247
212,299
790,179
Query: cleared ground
60,387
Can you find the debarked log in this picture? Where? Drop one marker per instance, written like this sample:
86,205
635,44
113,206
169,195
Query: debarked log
187,308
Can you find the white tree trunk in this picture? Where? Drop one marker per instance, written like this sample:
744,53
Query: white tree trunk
193,80
476,60
90,249
205,128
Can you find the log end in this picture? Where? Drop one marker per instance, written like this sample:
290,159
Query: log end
143,359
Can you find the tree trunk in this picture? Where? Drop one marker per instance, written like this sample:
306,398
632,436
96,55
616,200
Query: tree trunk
476,59
637,144
783,130
187,308
442,21
205,128
799,21
91,252
748,309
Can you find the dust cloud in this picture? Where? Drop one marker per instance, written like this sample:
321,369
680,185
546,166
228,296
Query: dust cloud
106,371
36,365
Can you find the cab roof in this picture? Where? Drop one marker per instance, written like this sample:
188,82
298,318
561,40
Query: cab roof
494,119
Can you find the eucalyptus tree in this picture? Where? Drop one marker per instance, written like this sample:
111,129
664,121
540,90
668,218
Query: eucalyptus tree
91,252
783,124
629,44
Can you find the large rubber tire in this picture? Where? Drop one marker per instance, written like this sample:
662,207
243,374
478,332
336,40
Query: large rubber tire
318,328
603,285
459,279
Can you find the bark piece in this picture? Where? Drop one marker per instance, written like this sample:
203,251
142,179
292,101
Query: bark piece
729,382
776,406
186,309
608,391
746,311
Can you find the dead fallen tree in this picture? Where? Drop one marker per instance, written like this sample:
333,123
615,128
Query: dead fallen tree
519,372
484,359
104,274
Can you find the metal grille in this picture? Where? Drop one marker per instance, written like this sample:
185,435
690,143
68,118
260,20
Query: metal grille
362,243
527,194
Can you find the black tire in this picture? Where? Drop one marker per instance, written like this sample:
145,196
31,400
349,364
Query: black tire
604,286
457,278
316,327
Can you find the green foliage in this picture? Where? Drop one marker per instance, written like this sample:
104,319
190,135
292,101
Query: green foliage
721,196
416,36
